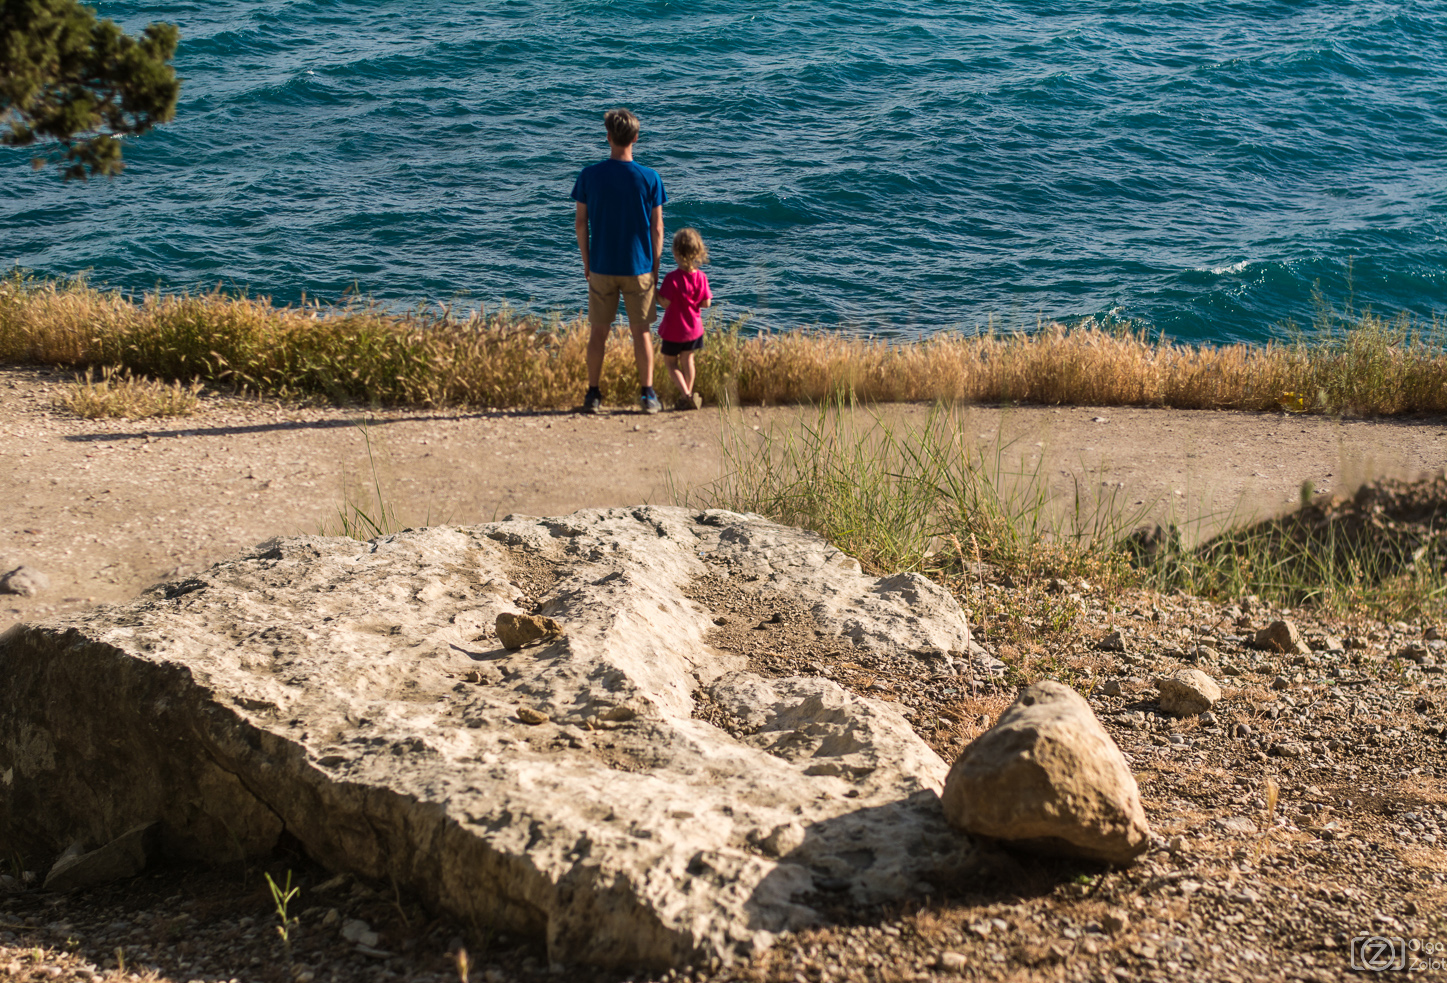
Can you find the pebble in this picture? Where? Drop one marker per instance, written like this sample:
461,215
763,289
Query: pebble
954,962
530,716
1113,642
25,581
1187,692
1281,636
1288,749
357,931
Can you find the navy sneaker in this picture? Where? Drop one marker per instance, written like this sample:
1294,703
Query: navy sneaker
649,402
593,402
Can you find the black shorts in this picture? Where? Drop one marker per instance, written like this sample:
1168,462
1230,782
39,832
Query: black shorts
679,347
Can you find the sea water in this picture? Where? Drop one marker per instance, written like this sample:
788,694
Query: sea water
1203,169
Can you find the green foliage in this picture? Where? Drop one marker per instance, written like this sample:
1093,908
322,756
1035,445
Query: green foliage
370,515
921,498
1343,555
930,498
281,897
82,82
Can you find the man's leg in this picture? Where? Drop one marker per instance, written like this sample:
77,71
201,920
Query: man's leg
597,344
643,353
602,310
640,300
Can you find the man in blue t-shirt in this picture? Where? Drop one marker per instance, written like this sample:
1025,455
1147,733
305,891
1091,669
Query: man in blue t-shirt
620,234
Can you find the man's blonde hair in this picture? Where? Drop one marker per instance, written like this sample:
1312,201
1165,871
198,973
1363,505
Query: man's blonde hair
688,249
622,127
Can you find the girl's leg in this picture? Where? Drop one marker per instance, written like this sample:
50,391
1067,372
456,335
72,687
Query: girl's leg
686,370
685,386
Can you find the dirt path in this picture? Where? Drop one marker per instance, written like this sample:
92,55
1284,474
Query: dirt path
1238,885
106,508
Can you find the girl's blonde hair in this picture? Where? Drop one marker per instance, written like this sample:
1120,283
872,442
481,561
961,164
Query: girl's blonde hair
688,248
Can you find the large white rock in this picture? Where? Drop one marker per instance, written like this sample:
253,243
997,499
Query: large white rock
356,696
1047,777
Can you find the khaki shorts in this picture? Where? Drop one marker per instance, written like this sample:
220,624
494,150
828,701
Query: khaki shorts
640,299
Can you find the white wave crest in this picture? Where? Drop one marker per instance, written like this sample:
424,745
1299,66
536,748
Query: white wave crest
1233,268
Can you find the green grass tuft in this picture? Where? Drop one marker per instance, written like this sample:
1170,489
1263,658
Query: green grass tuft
930,498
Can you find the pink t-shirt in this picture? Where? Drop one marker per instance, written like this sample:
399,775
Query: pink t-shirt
686,292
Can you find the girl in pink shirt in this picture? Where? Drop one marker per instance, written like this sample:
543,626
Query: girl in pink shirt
684,294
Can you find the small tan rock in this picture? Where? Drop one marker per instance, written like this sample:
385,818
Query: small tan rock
1113,642
1187,693
517,630
25,581
530,716
1048,778
1282,636
953,962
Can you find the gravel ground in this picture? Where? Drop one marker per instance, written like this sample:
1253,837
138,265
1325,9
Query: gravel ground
1347,742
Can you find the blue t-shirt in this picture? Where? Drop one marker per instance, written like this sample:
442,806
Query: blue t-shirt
620,196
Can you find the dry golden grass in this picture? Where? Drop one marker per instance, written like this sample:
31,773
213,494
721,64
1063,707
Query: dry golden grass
1374,366
362,354
121,395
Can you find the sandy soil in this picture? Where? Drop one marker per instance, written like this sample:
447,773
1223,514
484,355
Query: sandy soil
1236,887
106,508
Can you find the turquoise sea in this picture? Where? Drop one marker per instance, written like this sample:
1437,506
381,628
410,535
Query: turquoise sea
900,168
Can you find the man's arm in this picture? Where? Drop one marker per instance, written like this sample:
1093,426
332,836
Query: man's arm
657,240
580,226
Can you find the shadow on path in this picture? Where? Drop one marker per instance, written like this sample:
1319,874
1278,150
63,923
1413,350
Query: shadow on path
369,421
